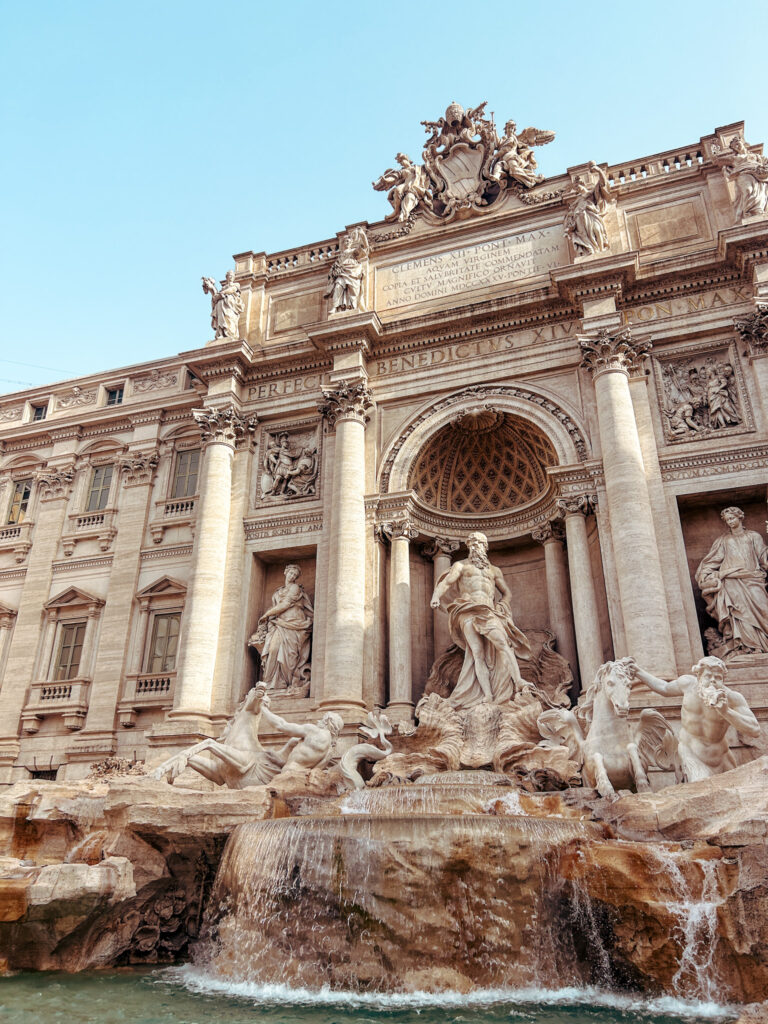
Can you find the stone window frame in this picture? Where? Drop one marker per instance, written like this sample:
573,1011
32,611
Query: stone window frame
112,388
23,504
144,690
179,452
667,352
7,622
68,698
17,537
104,493
169,511
94,524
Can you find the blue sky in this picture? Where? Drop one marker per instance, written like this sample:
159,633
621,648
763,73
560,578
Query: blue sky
145,143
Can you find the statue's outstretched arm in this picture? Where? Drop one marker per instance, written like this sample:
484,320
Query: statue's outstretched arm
290,728
740,715
673,688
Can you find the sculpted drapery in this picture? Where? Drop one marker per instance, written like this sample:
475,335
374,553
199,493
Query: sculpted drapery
284,635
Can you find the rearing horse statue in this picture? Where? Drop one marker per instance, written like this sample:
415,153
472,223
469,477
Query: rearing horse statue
614,752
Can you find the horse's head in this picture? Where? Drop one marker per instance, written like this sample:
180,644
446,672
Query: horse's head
614,679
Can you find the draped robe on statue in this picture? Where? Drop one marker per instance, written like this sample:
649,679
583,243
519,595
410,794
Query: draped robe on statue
732,582
502,641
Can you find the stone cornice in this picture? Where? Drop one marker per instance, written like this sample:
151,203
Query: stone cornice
346,332
708,463
231,359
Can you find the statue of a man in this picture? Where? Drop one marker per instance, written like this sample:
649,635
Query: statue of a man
480,622
226,306
313,744
732,582
709,708
285,636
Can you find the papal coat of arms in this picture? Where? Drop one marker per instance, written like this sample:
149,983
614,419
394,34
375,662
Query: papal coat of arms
467,167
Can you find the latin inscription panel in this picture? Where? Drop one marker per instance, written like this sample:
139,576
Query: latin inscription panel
485,265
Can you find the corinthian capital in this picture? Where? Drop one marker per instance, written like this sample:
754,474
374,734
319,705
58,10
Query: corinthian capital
56,482
606,351
394,528
139,467
547,532
224,426
440,546
347,402
580,504
754,329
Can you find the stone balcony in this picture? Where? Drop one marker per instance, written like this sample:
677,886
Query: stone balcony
172,512
150,691
67,698
18,539
98,526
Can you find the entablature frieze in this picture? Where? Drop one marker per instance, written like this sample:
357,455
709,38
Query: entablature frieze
82,564
172,551
282,526
708,463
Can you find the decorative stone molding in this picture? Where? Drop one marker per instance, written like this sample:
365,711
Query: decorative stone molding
714,464
56,483
224,426
606,352
11,412
346,401
753,330
139,467
309,522
581,504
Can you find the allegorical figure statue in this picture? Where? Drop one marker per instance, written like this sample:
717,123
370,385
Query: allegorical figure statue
226,306
477,601
750,172
408,186
345,278
732,581
587,202
709,708
514,155
284,636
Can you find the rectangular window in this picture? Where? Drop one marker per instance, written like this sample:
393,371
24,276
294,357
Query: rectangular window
71,639
165,640
185,474
39,412
98,495
115,396
17,512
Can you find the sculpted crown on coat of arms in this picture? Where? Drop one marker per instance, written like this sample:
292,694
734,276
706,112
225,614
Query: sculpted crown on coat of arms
466,169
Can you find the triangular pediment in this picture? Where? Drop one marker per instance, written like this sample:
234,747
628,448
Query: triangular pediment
163,587
73,597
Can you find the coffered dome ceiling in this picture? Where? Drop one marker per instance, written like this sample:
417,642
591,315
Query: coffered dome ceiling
484,462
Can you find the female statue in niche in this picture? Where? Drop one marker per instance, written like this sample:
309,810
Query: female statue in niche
732,582
284,635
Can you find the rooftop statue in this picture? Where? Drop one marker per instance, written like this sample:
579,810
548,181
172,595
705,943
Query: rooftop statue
732,581
614,753
467,167
477,600
586,203
226,305
750,172
347,273
709,708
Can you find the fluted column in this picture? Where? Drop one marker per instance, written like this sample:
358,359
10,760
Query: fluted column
440,551
641,584
400,533
221,429
55,487
346,410
558,593
586,619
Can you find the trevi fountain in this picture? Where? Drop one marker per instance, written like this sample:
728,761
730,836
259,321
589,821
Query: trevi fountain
431,675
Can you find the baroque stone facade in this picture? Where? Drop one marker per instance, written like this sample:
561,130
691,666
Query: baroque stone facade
572,366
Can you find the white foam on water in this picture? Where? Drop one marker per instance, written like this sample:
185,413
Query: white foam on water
283,995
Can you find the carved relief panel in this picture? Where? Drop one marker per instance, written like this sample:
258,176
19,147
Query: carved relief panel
289,462
702,393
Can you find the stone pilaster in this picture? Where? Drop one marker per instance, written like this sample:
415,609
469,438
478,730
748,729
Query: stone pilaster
550,536
753,331
346,411
221,429
400,533
97,739
610,357
586,619
55,488
440,551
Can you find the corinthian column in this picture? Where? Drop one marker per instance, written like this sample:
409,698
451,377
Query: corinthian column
346,410
400,533
221,429
558,597
586,618
610,358
440,551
